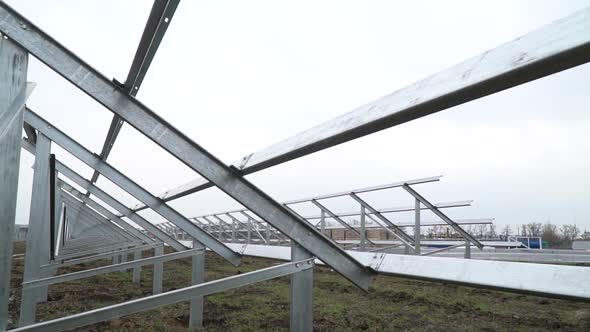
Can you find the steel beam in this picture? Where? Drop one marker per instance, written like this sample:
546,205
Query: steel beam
558,46
13,93
558,281
155,28
301,292
112,202
110,269
197,277
397,232
101,220
397,209
108,94
37,253
158,271
442,216
103,255
129,186
340,221
104,211
417,227
175,296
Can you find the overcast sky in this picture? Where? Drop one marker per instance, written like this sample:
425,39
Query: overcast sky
237,76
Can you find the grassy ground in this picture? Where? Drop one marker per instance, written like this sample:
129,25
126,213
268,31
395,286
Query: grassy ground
392,304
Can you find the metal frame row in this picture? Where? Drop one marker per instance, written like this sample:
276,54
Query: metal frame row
67,226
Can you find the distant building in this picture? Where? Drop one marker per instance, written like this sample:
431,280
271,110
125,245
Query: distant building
581,244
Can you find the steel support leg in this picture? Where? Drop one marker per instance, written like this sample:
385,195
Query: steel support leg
363,238
158,271
38,237
417,229
467,249
137,269
249,237
301,292
197,277
13,77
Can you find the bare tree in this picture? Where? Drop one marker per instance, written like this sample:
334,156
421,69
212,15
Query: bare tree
523,230
570,232
492,232
551,234
534,228
481,231
506,231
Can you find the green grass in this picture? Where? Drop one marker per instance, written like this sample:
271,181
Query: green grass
392,304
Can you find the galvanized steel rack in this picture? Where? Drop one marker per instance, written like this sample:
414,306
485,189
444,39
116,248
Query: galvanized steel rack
68,226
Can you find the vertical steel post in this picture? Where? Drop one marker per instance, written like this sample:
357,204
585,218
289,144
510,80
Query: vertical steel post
158,271
233,231
417,249
467,249
137,269
197,277
267,235
323,222
301,292
37,253
363,230
249,237
13,77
